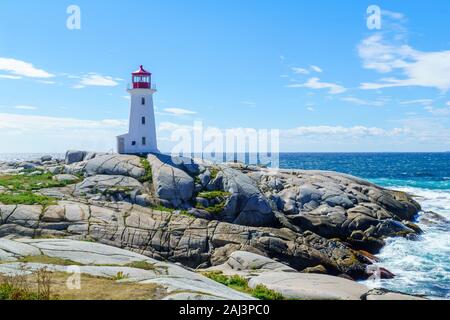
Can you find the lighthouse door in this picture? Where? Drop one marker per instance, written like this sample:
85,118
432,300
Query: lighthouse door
120,145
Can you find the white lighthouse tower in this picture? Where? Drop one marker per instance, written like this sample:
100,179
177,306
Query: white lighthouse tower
141,136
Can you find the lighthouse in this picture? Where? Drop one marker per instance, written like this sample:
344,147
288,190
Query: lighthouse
141,136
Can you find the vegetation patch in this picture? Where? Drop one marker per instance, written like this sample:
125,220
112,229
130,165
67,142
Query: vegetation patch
210,195
241,284
20,188
141,265
148,170
26,197
214,172
26,287
27,182
215,209
162,208
49,260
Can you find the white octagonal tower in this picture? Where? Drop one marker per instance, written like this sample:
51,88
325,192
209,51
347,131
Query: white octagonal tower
141,136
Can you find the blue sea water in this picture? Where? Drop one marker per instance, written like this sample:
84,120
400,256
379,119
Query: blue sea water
421,266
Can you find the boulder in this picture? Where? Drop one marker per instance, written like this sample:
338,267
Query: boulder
246,205
305,286
114,164
46,158
73,156
65,177
170,182
109,185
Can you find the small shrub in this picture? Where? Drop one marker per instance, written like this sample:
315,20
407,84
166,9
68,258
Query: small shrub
263,293
120,276
23,287
43,279
148,170
210,195
214,172
241,284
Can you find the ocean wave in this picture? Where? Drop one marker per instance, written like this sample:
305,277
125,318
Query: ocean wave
421,266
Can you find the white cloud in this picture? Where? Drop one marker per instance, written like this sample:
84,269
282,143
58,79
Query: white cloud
20,68
423,102
24,107
94,79
248,103
356,131
445,111
448,103
33,133
7,76
423,69
300,70
361,102
179,111
314,83
393,15
316,68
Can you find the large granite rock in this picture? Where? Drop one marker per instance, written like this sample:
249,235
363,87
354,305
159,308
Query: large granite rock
110,187
246,205
337,205
115,165
173,186
178,238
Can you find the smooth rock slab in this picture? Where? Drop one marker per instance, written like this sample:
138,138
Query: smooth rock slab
115,164
310,286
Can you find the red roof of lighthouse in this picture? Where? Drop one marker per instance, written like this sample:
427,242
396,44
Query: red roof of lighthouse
141,72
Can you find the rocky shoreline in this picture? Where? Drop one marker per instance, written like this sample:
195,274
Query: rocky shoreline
317,228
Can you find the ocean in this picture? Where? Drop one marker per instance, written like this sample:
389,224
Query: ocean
421,266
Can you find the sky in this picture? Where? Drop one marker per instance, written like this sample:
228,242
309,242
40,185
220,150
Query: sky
313,70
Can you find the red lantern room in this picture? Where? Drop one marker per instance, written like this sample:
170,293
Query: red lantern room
141,79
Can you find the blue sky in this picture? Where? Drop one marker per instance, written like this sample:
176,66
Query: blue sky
313,70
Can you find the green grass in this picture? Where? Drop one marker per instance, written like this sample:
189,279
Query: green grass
215,209
261,292
9,291
141,265
162,208
148,171
24,182
120,276
19,189
27,197
214,172
49,260
209,195
241,284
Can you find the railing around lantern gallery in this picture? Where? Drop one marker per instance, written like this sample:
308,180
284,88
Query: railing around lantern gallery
141,85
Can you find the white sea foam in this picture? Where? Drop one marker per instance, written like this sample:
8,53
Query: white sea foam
421,266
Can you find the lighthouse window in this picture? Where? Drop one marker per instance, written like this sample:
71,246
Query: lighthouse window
143,141
143,120
133,143
143,101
